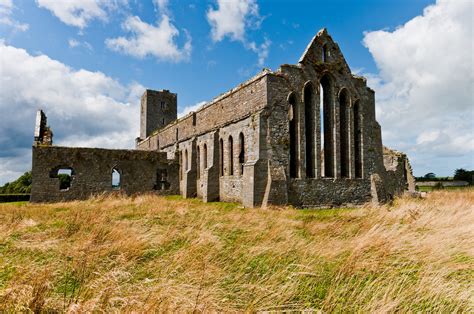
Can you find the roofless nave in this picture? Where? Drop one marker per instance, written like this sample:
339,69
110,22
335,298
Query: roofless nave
304,135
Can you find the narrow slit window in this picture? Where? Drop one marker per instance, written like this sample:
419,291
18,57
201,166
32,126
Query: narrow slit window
186,165
198,163
324,53
241,153
205,156
221,157
231,156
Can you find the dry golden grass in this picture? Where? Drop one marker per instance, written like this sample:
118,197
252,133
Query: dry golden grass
151,253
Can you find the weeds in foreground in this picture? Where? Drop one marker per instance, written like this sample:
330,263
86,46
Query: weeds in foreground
150,253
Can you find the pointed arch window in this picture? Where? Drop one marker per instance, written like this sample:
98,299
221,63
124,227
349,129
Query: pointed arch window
292,117
327,133
309,111
343,133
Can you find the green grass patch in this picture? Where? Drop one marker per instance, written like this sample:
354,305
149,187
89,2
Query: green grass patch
307,215
6,273
423,188
173,197
166,248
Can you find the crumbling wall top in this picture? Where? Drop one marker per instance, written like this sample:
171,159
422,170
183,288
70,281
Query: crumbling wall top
43,133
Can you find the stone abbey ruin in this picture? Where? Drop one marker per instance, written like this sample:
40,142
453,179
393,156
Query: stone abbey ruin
304,135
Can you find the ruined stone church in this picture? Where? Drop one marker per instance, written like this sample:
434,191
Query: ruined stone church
305,135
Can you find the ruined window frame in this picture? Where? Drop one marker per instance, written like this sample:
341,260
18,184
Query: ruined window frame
344,132
358,139
54,173
116,169
326,83
293,136
310,129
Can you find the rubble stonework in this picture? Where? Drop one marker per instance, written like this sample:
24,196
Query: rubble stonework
43,133
304,135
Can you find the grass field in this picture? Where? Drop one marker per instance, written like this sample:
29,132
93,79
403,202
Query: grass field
151,253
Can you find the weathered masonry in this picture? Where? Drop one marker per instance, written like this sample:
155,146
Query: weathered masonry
304,135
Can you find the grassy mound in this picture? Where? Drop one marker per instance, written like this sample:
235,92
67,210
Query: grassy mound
151,253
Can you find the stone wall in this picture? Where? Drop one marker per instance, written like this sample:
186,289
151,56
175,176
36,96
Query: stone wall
348,169
233,106
157,110
399,177
140,172
313,186
310,138
328,192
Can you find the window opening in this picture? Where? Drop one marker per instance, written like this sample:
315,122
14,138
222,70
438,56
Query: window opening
292,117
231,156
357,141
116,179
327,131
65,176
309,130
221,157
162,180
241,153
205,156
343,130
198,163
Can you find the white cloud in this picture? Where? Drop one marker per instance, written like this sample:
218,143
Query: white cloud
425,88
84,108
79,13
73,43
232,19
6,10
262,50
188,109
148,40
162,6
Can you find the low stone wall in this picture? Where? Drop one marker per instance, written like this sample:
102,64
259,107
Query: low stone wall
328,192
140,172
4,198
443,183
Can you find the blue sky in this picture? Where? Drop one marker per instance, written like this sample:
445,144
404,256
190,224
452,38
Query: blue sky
86,62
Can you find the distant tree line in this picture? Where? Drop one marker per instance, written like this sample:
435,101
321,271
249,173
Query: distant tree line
21,185
459,175
464,175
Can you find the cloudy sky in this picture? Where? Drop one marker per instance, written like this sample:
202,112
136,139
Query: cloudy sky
86,62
